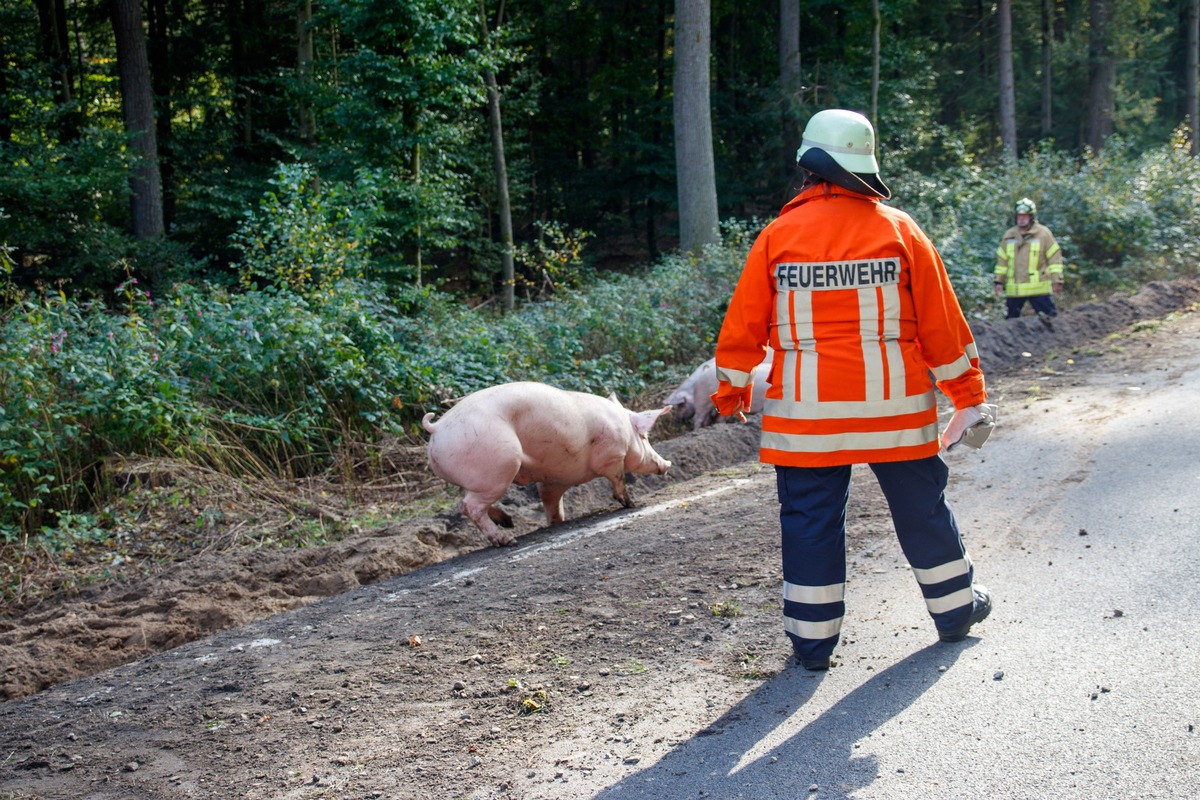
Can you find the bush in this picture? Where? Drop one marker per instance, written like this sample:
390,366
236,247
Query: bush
78,385
307,235
73,201
614,335
261,378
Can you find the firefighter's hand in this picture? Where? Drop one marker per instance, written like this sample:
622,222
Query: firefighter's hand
730,400
999,288
970,426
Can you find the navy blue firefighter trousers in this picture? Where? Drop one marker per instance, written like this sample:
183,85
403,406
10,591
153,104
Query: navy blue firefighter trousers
812,517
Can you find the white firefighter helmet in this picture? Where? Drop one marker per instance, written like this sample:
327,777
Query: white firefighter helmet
839,145
1026,206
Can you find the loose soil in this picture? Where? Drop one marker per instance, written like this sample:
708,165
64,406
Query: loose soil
416,652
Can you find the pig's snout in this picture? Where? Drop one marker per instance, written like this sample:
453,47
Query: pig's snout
663,466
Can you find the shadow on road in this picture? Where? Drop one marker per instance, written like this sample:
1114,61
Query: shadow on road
745,754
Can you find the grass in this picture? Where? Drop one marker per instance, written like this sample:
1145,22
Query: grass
749,667
726,609
633,667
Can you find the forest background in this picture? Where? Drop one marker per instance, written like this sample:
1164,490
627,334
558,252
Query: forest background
260,239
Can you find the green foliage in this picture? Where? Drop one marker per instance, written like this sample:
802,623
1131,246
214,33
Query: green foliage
553,261
307,235
200,374
78,385
615,335
72,198
401,97
8,293
1131,215
288,379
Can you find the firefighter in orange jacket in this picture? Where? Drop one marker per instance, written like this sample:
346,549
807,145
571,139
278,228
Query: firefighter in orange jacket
858,310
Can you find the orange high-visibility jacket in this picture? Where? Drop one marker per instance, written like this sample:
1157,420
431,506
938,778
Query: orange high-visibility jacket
855,302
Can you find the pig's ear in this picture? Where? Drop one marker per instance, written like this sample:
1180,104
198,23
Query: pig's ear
613,396
643,421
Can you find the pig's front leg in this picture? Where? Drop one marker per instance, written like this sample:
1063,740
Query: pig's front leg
552,501
620,490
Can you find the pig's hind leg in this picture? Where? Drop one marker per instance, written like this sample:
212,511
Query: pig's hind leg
479,501
704,408
479,506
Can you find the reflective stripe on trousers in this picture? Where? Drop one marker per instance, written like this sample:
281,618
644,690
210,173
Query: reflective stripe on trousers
812,516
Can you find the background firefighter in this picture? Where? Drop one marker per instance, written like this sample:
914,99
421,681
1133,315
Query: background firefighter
1028,264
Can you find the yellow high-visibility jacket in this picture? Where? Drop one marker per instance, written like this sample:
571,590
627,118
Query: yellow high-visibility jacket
857,308
1028,264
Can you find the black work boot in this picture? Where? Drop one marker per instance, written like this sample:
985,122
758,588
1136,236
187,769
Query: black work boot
811,664
983,607
814,664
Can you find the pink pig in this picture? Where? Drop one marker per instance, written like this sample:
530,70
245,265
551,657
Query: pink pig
529,432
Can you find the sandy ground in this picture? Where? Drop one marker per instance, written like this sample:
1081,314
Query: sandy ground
415,661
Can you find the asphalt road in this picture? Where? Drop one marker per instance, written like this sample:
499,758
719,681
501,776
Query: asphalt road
1082,515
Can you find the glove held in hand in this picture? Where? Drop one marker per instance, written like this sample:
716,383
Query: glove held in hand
970,426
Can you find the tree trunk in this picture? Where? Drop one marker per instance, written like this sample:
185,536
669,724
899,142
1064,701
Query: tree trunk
791,88
1193,74
876,24
239,67
306,123
411,124
6,127
656,126
507,272
159,50
789,50
1047,66
694,164
1101,78
137,104
6,130
56,52
1008,101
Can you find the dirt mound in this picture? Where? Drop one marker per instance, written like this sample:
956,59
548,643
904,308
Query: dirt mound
64,638
1006,345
